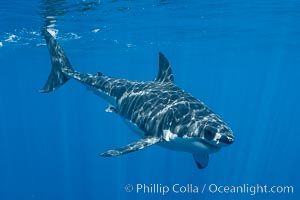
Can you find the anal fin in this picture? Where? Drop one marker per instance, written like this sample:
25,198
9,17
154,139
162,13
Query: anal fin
135,146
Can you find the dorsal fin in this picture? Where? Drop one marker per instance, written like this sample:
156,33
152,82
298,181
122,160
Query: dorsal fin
164,72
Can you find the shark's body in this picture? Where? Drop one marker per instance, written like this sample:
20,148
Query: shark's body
159,111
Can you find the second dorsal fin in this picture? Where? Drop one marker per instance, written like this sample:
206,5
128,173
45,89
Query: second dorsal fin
164,72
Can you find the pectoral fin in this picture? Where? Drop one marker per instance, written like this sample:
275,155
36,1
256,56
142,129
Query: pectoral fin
141,144
201,159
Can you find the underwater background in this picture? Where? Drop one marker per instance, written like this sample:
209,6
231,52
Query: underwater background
241,58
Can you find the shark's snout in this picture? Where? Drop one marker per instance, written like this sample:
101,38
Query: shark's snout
218,137
226,139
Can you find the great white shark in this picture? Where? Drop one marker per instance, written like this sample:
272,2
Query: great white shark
158,111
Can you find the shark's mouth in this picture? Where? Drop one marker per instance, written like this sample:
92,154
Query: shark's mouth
213,148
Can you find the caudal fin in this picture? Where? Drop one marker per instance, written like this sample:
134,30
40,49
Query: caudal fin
61,66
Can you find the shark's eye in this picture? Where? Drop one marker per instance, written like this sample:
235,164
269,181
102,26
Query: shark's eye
208,134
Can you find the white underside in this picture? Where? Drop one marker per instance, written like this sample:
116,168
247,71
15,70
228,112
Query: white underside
134,127
190,145
111,100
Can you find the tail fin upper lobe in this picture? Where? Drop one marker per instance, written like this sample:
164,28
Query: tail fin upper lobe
61,66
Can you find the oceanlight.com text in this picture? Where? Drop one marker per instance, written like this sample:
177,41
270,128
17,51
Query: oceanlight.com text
248,189
164,189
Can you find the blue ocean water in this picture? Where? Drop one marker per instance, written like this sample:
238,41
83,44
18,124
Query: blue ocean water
240,57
